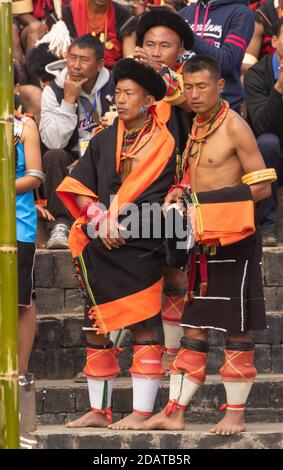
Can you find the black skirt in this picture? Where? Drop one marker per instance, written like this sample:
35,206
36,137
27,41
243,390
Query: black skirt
235,300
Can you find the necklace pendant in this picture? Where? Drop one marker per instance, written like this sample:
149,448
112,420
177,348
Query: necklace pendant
109,44
102,37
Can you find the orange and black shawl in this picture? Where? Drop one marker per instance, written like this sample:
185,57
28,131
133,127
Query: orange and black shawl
123,285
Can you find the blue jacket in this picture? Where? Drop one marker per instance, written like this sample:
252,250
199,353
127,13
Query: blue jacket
223,30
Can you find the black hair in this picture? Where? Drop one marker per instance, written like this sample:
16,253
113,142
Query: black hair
198,63
91,42
36,61
142,74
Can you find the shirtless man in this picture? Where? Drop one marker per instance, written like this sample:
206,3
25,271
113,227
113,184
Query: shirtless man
225,289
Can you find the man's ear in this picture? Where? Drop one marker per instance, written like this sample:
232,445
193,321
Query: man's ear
274,41
149,101
100,65
220,85
181,51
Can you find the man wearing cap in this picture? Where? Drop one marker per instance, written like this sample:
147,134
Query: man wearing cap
126,165
163,40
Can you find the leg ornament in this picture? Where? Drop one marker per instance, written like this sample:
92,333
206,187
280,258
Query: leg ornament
187,373
146,372
172,310
238,374
117,337
101,369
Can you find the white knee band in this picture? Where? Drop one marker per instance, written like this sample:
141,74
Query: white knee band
182,389
172,337
144,394
100,393
117,336
237,394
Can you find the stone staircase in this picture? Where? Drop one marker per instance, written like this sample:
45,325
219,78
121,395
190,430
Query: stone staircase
59,354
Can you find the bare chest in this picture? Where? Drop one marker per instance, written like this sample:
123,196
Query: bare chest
212,151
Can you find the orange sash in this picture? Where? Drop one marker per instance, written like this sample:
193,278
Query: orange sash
224,223
142,176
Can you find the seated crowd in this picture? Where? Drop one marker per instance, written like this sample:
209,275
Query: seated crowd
64,72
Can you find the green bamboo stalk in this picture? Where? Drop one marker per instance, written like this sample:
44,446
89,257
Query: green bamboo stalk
9,415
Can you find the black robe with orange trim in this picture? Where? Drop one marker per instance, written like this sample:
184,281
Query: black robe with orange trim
124,285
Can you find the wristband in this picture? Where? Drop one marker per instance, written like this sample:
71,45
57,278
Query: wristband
95,214
182,186
84,209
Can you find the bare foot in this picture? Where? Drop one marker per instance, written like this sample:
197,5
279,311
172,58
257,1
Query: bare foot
174,421
134,419
232,423
90,419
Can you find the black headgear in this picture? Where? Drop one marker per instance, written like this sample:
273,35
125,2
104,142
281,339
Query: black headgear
36,61
163,17
143,75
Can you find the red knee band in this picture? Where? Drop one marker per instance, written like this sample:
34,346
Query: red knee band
147,361
173,307
192,363
102,363
238,366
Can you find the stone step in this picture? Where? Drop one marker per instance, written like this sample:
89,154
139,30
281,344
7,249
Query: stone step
56,284
280,228
257,436
59,348
57,292
58,401
280,201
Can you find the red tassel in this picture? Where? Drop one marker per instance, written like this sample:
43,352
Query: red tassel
203,274
107,412
92,313
223,407
192,276
171,407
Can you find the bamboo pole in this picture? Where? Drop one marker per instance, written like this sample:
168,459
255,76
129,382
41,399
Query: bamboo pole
9,415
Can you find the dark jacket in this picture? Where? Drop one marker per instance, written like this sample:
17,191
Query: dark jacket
265,104
223,30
